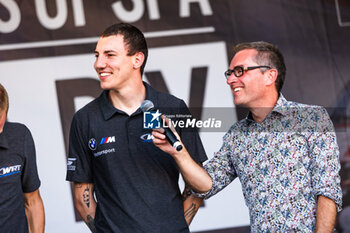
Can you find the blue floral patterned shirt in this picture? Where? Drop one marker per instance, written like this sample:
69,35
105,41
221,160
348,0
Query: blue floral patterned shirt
283,164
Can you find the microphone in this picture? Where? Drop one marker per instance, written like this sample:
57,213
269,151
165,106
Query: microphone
147,106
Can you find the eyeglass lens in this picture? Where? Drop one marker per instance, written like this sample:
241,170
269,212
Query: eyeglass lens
237,71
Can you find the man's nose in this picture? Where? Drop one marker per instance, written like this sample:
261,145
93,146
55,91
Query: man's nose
231,79
100,63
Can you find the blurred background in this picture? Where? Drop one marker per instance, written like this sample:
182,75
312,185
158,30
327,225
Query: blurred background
46,65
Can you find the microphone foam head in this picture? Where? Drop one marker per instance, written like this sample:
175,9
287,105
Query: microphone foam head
147,105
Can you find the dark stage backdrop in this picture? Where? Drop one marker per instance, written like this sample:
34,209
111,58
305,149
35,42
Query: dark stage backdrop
46,57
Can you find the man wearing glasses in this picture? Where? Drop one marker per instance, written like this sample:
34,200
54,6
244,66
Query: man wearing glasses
284,153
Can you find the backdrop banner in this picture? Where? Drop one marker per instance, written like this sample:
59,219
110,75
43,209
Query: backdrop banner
46,64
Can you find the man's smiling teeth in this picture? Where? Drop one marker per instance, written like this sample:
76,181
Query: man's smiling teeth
104,74
237,89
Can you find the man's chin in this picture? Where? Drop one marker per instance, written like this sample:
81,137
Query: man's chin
105,87
237,102
240,104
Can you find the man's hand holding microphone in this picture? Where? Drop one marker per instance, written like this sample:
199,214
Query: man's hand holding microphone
168,140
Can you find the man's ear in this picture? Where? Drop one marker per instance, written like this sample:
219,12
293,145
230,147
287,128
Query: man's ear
139,58
271,76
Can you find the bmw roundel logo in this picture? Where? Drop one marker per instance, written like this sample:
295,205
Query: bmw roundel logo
92,144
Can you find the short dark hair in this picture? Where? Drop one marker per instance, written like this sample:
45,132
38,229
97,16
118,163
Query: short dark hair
4,100
133,38
268,55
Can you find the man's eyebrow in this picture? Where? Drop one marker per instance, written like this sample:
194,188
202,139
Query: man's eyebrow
106,51
109,51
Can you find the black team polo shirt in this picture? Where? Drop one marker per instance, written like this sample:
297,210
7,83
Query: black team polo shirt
136,184
18,175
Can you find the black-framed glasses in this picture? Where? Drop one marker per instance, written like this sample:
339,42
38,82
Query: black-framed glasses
238,71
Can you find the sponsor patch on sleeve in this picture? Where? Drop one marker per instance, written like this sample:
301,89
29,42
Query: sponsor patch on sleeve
71,164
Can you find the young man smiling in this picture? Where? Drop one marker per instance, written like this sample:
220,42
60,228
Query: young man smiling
284,153
135,183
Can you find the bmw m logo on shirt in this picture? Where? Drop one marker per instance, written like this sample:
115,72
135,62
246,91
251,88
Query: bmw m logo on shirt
10,170
93,142
107,140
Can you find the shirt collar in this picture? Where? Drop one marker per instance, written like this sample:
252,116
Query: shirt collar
280,107
108,110
3,140
151,94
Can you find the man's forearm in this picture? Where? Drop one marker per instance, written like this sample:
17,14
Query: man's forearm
85,203
34,210
326,214
90,223
193,174
191,204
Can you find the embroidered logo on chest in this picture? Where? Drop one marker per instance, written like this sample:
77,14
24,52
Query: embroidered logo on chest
10,170
107,140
